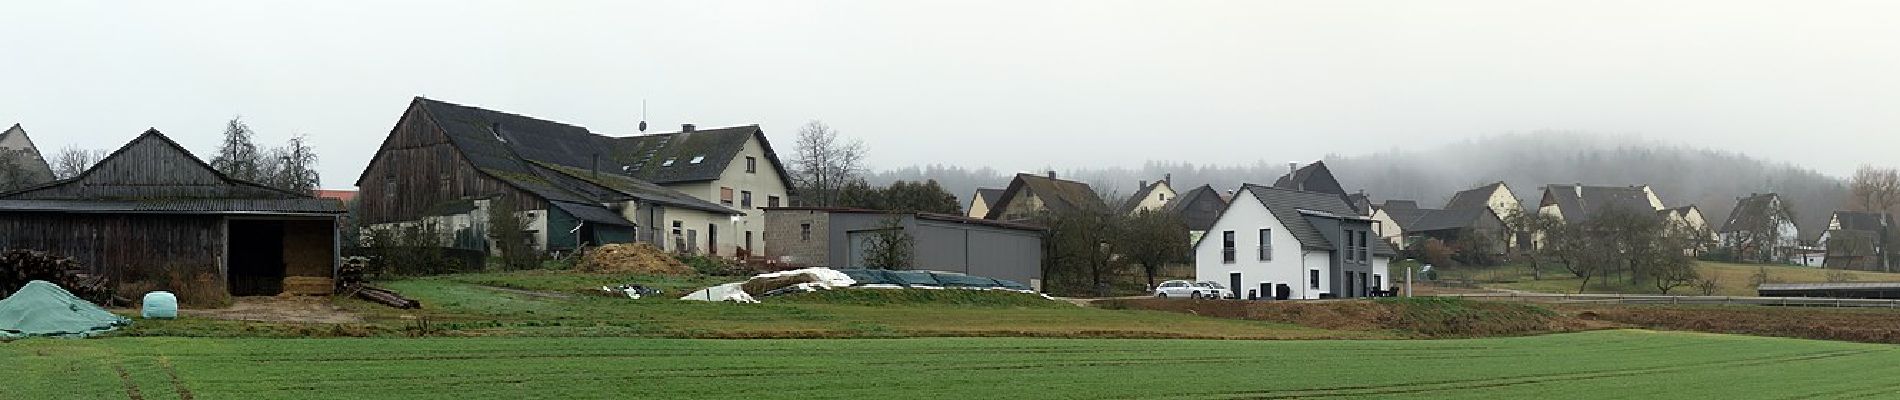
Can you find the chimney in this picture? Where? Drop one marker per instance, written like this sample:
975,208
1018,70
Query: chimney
1292,167
1579,189
1143,184
686,127
1052,174
1169,178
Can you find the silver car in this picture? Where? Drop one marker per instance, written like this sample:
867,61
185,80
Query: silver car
1190,290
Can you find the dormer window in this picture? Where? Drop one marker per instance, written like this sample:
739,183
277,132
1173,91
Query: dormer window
697,159
668,163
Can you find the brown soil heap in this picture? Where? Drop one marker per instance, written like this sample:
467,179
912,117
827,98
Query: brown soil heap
638,258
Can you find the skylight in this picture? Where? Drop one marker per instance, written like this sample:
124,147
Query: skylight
697,159
668,163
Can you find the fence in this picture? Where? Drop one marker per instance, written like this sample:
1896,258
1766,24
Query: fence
1683,300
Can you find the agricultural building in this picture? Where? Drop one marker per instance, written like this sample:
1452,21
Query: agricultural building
840,238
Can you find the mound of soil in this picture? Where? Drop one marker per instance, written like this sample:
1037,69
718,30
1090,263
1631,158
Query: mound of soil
1422,316
1854,325
639,258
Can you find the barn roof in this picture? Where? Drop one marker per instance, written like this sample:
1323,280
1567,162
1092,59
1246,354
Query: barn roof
153,174
1057,195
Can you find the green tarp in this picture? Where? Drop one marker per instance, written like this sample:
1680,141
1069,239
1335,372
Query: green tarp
44,309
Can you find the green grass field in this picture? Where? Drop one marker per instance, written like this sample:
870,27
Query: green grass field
1731,279
560,303
1603,364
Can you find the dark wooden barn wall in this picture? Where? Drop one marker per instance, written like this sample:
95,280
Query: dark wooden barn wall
137,250
426,171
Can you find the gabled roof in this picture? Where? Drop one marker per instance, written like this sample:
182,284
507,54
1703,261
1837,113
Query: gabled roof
1199,208
1479,197
1751,211
1292,207
1129,205
1313,177
989,196
153,174
1057,195
30,160
621,187
501,146
1863,220
1581,203
646,156
1427,220
1390,205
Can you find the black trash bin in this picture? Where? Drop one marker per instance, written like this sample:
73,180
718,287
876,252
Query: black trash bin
1284,292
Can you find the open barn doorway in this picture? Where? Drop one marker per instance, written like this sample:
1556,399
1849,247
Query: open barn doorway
256,264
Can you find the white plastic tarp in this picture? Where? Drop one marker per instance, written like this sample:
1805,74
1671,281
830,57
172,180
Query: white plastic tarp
827,278
727,292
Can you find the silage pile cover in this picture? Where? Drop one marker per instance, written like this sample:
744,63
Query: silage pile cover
44,309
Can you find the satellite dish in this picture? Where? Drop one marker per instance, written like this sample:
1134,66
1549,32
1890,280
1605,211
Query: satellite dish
643,115
643,126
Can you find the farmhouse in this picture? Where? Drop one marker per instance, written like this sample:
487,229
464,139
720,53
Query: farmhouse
1762,229
1387,226
1857,240
1031,195
735,167
840,238
1476,226
150,216
21,163
1579,203
1311,243
1198,209
980,203
1151,196
1496,197
446,164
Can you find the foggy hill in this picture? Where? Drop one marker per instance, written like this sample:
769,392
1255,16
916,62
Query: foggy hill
1708,179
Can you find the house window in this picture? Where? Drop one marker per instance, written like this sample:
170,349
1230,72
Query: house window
1312,278
696,159
745,199
1266,245
1365,246
676,227
1350,250
725,196
751,165
804,232
389,186
771,201
1227,247
668,163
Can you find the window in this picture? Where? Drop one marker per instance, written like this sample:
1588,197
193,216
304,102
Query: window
668,163
745,199
1227,247
696,159
748,242
1312,278
771,201
1349,249
725,196
389,186
676,227
1365,246
1266,245
751,165
804,232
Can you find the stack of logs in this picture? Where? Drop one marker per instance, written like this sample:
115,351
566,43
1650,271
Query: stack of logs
17,267
351,282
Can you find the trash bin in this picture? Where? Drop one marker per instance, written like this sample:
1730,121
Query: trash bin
1283,293
1253,294
159,304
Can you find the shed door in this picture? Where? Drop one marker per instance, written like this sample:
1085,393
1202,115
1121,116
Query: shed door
860,243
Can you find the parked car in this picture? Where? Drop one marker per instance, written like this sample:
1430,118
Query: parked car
1190,290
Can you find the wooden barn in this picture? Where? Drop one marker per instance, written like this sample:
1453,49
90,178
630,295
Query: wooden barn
150,216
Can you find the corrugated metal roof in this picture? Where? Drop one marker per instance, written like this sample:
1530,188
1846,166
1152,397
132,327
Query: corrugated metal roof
591,213
181,206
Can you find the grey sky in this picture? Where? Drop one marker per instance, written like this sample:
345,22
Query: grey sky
1015,85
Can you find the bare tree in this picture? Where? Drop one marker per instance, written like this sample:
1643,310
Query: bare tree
1876,189
825,163
890,246
294,167
237,156
1153,239
72,160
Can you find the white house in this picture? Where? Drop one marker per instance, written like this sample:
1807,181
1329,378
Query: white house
1151,196
1312,243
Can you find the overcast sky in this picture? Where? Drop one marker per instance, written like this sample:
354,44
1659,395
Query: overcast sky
1015,85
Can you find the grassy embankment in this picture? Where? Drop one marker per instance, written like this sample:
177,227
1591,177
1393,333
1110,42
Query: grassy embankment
1605,364
1731,279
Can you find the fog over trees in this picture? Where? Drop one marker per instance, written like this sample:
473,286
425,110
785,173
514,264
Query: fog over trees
1681,175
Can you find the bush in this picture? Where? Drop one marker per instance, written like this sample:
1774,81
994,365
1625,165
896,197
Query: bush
709,265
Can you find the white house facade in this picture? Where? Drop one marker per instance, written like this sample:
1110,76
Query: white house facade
1302,245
